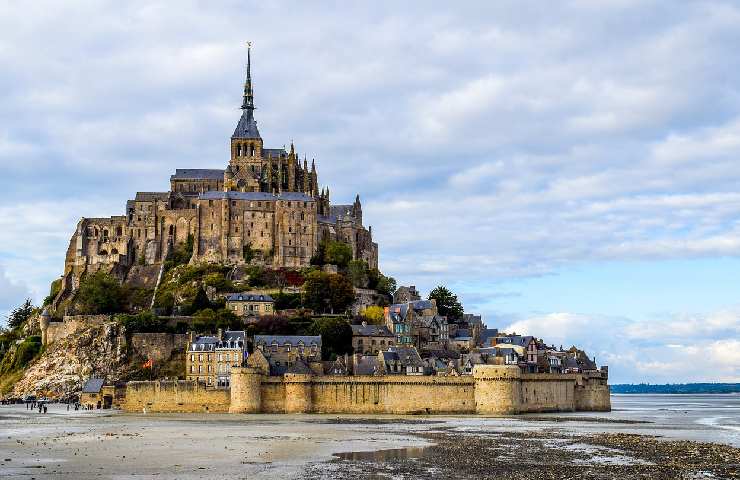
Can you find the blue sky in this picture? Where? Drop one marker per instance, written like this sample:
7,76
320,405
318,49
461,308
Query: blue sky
570,169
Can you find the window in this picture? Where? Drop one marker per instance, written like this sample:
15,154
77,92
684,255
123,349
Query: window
200,357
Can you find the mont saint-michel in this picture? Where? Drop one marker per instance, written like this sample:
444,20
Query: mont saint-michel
413,241
246,290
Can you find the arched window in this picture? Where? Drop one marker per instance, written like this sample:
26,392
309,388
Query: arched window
119,231
114,251
104,252
105,234
238,150
172,230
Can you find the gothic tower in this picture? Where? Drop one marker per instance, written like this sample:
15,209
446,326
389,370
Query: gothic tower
246,143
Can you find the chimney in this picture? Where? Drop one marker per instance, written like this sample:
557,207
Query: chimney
191,336
220,334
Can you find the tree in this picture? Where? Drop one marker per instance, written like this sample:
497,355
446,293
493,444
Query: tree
374,314
100,293
21,314
358,273
271,325
447,303
336,336
342,293
201,301
338,253
327,292
386,285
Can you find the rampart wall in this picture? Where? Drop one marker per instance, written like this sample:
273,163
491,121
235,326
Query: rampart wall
158,346
492,390
174,396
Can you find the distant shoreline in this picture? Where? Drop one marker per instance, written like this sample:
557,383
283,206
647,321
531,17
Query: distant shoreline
678,388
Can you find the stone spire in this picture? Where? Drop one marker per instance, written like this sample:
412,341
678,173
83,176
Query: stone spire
247,126
248,102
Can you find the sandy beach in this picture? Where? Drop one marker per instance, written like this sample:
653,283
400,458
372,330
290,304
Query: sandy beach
626,443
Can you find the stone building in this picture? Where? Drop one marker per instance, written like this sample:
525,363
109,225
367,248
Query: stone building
406,294
250,304
209,359
371,339
418,323
288,353
265,206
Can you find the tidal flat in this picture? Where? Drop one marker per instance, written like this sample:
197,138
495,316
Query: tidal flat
656,438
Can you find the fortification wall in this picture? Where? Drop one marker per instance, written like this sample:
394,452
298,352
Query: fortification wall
158,346
547,393
392,394
70,324
175,396
592,395
492,390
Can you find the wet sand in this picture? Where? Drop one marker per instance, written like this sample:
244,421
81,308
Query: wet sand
111,445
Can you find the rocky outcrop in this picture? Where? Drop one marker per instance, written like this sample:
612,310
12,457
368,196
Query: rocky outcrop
65,365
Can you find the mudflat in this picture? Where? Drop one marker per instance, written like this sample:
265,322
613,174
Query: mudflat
112,445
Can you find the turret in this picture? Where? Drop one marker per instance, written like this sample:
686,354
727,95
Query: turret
44,321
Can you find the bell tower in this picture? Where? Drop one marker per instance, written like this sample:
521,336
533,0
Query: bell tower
246,143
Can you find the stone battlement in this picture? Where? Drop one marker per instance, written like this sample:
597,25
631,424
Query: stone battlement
492,390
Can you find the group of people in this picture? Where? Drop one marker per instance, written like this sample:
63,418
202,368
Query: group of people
33,405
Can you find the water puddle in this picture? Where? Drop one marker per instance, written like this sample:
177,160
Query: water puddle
383,455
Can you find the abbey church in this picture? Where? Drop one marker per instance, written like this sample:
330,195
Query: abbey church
265,206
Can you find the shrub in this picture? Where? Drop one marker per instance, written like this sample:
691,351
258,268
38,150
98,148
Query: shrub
336,336
100,293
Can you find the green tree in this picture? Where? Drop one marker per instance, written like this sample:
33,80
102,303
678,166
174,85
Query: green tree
27,351
100,293
338,253
204,320
200,302
336,336
447,303
21,314
358,273
248,253
327,292
342,293
228,320
386,285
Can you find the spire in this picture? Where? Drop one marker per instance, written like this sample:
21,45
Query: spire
248,102
247,126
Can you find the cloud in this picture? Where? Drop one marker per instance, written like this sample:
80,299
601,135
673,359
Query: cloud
11,295
678,347
489,141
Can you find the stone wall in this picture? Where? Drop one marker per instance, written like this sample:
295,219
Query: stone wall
158,346
492,390
174,396
69,325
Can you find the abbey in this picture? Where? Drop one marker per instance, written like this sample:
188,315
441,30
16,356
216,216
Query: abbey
265,206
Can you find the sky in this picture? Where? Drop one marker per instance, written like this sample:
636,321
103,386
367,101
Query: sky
569,169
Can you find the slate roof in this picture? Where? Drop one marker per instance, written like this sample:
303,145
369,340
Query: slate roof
406,356
249,297
247,126
371,331
326,219
340,210
231,339
93,385
292,339
197,174
151,196
367,365
265,196
276,152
